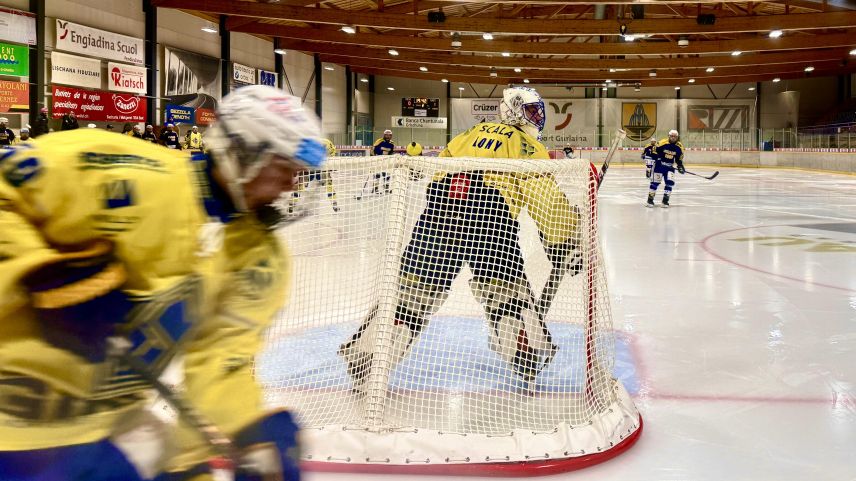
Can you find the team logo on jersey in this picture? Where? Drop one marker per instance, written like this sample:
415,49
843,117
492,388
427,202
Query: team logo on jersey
639,119
23,171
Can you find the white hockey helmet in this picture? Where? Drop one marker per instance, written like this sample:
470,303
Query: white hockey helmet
673,136
255,124
523,107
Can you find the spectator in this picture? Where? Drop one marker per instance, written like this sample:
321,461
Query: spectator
41,123
169,138
149,134
109,128
135,132
6,134
128,128
69,122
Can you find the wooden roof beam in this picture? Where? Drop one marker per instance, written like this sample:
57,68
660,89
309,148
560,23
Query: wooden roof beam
515,26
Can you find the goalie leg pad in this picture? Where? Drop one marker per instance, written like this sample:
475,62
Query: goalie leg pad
416,301
516,332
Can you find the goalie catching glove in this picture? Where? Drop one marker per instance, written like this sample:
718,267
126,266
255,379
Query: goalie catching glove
565,257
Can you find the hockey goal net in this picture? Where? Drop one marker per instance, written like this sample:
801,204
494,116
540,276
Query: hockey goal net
436,267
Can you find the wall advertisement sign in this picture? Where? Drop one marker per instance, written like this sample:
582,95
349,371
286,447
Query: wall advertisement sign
73,37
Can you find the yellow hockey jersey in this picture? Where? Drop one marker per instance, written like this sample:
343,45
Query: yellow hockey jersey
331,149
77,186
547,205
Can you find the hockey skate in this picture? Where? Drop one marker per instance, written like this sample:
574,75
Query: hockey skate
665,201
650,202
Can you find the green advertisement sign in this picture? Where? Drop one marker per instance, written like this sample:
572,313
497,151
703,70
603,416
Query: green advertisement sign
14,60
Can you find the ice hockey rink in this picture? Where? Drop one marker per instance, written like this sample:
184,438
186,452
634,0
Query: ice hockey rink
735,319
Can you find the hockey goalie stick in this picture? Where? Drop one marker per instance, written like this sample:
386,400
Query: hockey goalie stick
119,348
712,176
545,300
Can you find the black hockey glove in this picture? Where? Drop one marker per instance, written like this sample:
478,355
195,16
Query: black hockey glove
565,257
681,169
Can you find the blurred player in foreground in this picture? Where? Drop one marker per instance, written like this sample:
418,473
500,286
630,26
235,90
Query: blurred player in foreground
321,176
102,236
472,218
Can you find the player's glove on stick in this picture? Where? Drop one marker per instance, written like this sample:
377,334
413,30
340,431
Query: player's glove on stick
681,169
565,258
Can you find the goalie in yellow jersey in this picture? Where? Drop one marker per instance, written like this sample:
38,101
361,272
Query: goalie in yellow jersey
471,218
321,176
101,237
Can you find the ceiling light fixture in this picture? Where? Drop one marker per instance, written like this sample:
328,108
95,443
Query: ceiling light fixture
736,53
775,33
637,88
364,80
280,51
809,69
776,80
517,70
629,38
423,69
444,80
751,88
709,69
853,52
390,88
677,88
327,67
652,73
349,29
461,89
692,80
506,54
487,36
526,80
683,42
209,28
393,52
456,40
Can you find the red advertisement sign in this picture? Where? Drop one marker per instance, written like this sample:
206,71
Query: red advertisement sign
98,105
14,96
205,116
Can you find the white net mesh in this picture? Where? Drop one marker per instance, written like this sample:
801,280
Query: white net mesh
420,329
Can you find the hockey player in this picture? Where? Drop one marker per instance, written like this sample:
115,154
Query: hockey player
169,137
7,137
384,145
648,157
193,139
25,136
150,135
323,177
413,149
471,218
568,151
667,152
100,237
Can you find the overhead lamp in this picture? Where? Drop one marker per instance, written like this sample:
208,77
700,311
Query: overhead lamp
637,88
456,40
327,67
709,69
493,72
853,52
683,42
364,80
506,54
390,88
393,52
751,89
209,28
349,29
280,51
692,80
608,81
445,80
629,37
423,69
736,53
612,70
777,80
775,33
809,69
677,88
461,89
652,73
487,36
517,70
526,80
603,88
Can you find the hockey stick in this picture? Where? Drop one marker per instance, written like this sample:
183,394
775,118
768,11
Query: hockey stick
119,348
620,135
713,176
545,300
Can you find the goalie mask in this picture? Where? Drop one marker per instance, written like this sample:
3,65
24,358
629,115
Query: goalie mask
256,124
523,107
